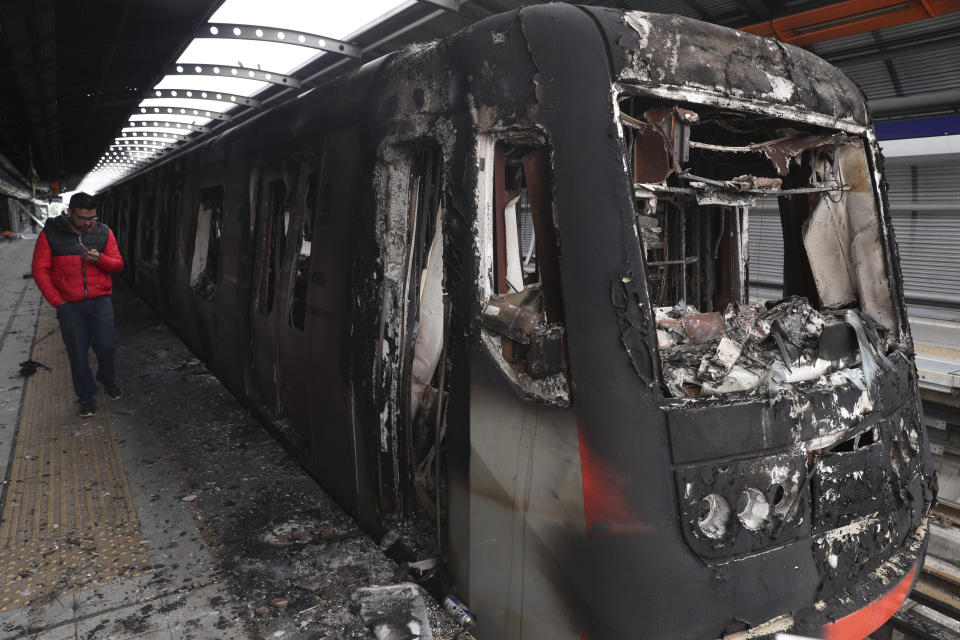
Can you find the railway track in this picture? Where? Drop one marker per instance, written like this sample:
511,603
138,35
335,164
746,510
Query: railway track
947,512
932,611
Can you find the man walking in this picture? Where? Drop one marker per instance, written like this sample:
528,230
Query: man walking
72,262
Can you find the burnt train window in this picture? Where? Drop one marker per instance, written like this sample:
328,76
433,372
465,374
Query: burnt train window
274,235
301,264
696,174
205,268
524,316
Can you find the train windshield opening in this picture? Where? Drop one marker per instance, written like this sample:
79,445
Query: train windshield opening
697,175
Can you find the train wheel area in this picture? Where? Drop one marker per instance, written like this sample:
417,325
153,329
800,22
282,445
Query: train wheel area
171,513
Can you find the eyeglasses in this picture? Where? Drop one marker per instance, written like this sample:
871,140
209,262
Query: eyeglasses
84,218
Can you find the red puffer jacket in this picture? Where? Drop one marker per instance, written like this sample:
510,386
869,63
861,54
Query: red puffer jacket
60,270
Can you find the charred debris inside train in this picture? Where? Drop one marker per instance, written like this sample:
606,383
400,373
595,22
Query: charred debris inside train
696,174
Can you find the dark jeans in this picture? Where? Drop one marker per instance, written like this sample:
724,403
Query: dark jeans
85,324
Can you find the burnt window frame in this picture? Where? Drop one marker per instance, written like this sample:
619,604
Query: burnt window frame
696,98
206,280
168,224
546,330
309,205
274,230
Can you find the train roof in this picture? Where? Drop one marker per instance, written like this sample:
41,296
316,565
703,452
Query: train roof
663,55
672,54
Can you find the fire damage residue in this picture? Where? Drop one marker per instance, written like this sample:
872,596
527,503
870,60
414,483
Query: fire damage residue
850,549
670,51
696,174
289,556
523,319
789,411
628,301
395,612
765,348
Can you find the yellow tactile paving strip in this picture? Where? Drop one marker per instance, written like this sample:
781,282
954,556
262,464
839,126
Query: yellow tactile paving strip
68,521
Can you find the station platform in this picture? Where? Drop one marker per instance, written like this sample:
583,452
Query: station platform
170,514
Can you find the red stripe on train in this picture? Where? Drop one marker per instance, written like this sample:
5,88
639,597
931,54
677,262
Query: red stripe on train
605,506
862,623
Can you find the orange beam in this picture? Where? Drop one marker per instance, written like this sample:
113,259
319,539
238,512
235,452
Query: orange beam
850,18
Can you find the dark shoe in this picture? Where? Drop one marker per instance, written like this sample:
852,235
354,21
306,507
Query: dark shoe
114,391
87,409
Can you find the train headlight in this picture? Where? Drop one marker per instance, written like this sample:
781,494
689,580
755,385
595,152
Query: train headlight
752,509
713,513
784,499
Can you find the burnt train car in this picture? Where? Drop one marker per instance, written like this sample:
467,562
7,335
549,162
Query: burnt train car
497,285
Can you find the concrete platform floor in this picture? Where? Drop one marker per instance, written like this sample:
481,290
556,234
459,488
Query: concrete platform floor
180,517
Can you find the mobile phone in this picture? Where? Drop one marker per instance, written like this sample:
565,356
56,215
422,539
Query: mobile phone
83,247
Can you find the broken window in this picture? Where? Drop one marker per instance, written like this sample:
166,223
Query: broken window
205,267
523,320
696,173
301,261
276,210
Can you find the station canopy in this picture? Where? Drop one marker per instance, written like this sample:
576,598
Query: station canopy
99,91
246,48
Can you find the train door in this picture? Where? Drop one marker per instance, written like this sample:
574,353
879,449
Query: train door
274,202
315,333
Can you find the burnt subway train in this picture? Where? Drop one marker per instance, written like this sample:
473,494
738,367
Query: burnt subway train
496,286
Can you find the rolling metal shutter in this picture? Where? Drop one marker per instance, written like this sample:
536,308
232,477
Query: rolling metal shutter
765,246
925,207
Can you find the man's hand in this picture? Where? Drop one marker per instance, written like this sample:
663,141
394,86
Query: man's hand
92,255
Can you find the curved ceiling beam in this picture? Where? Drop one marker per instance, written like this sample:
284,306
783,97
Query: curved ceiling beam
199,94
145,146
283,36
220,71
161,124
147,135
200,113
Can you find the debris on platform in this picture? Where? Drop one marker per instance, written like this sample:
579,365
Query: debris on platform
765,348
30,367
297,531
395,612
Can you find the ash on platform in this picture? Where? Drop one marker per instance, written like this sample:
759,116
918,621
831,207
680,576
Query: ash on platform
294,562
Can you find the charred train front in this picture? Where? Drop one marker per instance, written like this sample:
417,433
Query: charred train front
499,285
653,451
